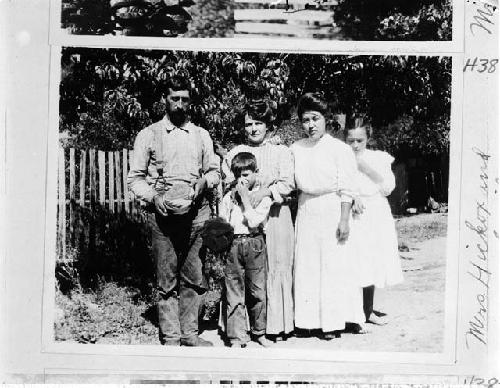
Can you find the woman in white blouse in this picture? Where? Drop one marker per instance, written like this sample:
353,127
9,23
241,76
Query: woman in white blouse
326,291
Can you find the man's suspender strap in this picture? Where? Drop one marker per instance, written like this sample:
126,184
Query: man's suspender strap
199,148
158,148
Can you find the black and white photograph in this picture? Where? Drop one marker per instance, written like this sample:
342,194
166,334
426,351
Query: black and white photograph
153,18
252,200
358,20
252,192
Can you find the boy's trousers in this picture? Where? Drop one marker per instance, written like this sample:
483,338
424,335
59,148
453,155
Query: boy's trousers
246,274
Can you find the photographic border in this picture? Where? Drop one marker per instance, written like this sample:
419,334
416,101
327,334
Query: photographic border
60,37
446,358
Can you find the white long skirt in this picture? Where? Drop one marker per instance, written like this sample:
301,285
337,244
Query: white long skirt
326,291
374,236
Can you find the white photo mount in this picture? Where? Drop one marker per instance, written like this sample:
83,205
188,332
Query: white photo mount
468,357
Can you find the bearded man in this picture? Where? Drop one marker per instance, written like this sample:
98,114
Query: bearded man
172,168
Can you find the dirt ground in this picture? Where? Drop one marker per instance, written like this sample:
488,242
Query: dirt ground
415,308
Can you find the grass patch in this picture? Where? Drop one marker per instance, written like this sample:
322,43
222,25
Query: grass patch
421,227
110,314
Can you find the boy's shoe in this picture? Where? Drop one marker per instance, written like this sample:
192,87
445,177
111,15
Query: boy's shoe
237,344
262,340
195,341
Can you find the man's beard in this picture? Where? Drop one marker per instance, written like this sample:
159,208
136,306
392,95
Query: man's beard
177,117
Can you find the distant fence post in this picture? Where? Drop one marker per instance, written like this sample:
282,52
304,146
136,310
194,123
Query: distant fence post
62,204
92,177
124,180
101,162
72,195
83,162
111,182
118,176
133,209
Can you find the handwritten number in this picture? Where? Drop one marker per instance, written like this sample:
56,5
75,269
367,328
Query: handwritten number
493,65
491,383
472,65
484,64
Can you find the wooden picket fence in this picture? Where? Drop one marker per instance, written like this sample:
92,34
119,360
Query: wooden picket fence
91,181
271,19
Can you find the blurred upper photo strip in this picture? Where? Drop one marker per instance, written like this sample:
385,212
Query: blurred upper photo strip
155,18
355,20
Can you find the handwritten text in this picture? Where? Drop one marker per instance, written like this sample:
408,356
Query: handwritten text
478,324
483,19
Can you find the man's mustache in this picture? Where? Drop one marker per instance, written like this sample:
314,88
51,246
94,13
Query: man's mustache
178,116
177,111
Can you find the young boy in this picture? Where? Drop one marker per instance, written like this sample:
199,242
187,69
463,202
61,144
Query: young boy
246,268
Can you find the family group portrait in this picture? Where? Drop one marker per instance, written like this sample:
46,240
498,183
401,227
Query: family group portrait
420,20
260,200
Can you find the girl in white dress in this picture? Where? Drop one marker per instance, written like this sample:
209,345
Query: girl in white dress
326,290
373,228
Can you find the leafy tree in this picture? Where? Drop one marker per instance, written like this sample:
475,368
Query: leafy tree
211,19
87,17
200,18
100,88
107,95
395,19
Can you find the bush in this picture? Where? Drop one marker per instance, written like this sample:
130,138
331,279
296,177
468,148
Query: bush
395,19
210,18
110,313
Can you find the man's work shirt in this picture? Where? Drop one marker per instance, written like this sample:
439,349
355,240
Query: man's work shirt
188,154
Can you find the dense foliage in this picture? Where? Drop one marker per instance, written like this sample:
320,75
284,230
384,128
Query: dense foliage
395,19
108,95
87,17
211,19
200,18
357,19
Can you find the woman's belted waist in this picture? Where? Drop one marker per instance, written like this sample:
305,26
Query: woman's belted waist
333,194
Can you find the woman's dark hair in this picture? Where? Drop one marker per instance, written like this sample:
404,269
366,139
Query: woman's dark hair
257,109
312,102
358,121
243,161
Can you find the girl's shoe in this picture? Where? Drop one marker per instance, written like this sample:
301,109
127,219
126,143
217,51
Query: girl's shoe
331,335
282,337
356,328
376,320
278,337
